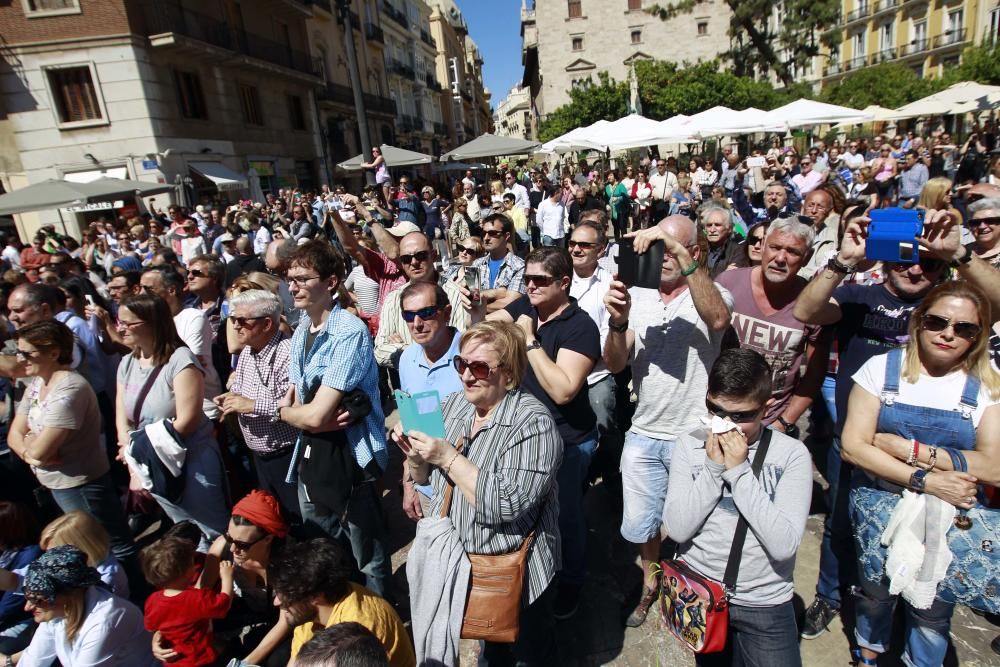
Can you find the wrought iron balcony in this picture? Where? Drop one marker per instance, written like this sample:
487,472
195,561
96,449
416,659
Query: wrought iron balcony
857,14
396,15
341,94
884,6
950,38
374,33
855,63
883,56
916,47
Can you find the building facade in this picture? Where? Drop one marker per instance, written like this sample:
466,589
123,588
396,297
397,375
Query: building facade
512,117
566,43
216,98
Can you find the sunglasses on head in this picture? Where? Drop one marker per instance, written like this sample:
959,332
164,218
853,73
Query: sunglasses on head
479,369
424,313
419,256
737,416
538,279
965,330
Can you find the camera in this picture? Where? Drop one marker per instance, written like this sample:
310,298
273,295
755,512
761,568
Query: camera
892,235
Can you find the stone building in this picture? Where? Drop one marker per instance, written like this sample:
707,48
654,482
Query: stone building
203,95
512,117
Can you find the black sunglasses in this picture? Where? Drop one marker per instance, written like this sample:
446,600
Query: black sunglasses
966,330
583,245
538,280
419,256
494,233
975,222
423,313
196,273
737,416
479,369
240,545
242,322
469,251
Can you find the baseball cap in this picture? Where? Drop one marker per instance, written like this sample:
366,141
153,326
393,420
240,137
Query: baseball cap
402,228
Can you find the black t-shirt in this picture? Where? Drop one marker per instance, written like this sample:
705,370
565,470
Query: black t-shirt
873,322
574,330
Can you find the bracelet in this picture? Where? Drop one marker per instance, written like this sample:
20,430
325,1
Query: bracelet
914,453
933,460
837,266
447,466
618,328
691,269
964,259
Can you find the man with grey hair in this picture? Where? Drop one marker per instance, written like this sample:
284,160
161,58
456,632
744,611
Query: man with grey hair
671,336
725,249
259,382
763,300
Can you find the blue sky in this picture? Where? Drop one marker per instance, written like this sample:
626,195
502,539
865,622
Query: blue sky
495,25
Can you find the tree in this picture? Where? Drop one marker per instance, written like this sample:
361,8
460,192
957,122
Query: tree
607,99
762,41
979,63
667,90
889,85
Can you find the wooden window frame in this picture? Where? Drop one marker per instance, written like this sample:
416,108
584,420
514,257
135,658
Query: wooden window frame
193,107
59,109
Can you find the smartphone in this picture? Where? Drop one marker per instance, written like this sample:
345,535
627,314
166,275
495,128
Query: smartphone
421,412
472,282
637,270
756,162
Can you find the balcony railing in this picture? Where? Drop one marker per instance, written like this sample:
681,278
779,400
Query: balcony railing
161,18
915,47
396,15
402,69
832,68
950,38
427,39
374,33
855,63
859,13
883,56
884,6
335,92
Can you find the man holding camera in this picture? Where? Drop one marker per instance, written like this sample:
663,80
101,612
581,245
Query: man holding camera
671,336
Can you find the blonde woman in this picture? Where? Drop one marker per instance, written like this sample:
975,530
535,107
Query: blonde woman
84,532
936,196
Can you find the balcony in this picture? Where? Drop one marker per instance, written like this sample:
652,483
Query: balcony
409,123
855,63
374,33
949,38
396,15
344,95
915,48
403,69
432,81
833,68
355,20
883,56
201,34
885,6
428,40
856,15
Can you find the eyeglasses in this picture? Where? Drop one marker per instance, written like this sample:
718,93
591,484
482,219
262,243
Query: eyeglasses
737,416
24,354
242,322
238,545
965,330
125,324
495,233
479,369
300,281
582,245
421,257
468,251
423,313
538,280
196,273
975,222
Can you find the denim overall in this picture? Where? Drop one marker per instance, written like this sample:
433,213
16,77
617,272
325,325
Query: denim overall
871,504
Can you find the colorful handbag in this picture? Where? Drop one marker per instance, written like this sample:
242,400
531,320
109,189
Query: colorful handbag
695,608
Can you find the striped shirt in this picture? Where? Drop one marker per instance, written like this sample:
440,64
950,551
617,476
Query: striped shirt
340,358
518,453
263,377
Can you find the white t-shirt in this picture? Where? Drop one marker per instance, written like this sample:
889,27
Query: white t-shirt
943,393
196,332
589,294
674,350
549,218
13,257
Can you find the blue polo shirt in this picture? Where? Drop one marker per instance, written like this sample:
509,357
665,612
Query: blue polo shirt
417,375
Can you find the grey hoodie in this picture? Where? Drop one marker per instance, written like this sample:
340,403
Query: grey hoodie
700,514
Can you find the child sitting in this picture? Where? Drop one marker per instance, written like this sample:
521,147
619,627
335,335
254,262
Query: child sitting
181,611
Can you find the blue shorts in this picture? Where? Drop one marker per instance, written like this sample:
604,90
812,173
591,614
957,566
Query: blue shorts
645,470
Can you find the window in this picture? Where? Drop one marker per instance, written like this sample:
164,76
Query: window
189,96
578,43
955,21
634,5
637,36
296,113
920,36
575,9
860,44
250,105
993,36
74,95
50,7
887,36
702,28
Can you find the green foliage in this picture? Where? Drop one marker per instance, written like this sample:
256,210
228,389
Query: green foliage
760,44
889,85
979,63
607,99
667,90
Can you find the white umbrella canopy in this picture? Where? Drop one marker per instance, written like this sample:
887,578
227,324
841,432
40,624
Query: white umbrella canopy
573,140
56,193
881,114
720,121
810,112
963,97
394,157
631,131
490,145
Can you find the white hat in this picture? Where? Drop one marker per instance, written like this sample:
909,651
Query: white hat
402,228
227,237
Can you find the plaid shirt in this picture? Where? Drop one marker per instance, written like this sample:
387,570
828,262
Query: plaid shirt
263,377
511,274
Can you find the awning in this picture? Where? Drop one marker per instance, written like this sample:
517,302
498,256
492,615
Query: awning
88,176
222,176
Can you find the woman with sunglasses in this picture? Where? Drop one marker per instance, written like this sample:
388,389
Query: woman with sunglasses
984,222
467,252
502,451
57,431
940,390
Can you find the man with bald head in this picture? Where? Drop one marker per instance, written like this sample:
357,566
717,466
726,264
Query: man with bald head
818,208
244,262
416,258
671,336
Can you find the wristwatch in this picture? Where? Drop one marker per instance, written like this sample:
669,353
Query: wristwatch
837,266
791,429
534,345
276,415
964,259
618,328
918,479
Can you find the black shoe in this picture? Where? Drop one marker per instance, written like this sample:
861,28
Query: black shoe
817,618
995,644
566,603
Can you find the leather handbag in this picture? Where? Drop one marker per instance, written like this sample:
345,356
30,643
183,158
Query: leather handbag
493,605
695,608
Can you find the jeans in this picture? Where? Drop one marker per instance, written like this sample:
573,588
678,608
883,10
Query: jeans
572,478
603,396
535,643
645,472
926,629
99,499
271,471
758,636
362,530
829,392
837,569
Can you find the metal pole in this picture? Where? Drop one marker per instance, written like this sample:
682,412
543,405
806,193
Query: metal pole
344,7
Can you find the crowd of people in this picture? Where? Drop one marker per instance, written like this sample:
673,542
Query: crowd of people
195,437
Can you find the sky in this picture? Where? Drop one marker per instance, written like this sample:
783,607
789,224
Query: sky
495,25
